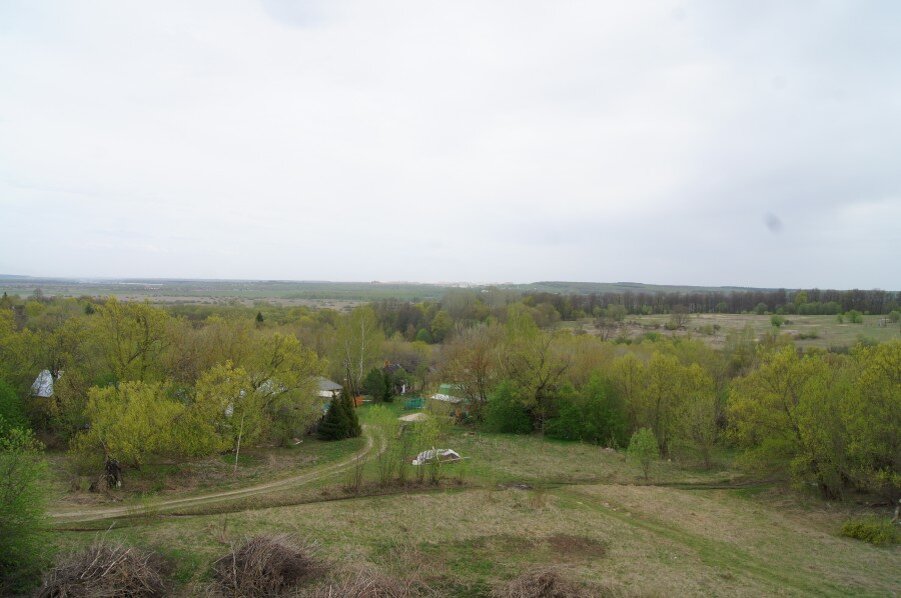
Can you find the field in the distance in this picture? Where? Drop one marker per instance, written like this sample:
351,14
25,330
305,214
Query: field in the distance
806,331
517,503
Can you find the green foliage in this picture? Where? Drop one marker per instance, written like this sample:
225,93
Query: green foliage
643,449
777,320
593,414
340,421
825,419
22,499
760,309
11,409
378,385
131,423
875,530
894,316
504,411
424,336
854,316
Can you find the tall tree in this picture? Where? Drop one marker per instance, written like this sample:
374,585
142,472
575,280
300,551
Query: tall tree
359,345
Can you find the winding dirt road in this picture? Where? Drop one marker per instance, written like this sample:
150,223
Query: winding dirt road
99,514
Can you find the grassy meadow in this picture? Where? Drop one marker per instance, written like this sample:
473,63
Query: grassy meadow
807,331
517,503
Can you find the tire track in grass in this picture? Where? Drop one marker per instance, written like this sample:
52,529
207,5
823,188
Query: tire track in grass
67,517
711,552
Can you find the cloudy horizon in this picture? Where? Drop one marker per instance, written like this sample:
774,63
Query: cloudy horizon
671,142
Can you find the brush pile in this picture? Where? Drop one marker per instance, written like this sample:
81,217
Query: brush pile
268,565
106,570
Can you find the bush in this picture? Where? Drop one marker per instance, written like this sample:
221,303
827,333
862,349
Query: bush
11,408
22,495
264,566
875,530
643,449
854,316
593,414
504,412
777,320
107,569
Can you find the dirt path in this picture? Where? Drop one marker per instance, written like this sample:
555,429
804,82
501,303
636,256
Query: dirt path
97,514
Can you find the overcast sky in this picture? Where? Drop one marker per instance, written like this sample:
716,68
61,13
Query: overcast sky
735,143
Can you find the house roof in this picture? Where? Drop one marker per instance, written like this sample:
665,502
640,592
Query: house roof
327,385
43,385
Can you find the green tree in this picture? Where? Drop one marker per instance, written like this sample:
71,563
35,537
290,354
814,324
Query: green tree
377,385
441,326
354,428
424,336
643,449
22,499
131,423
532,363
776,320
335,425
854,316
593,414
359,344
504,411
760,309
871,412
786,415
11,409
132,337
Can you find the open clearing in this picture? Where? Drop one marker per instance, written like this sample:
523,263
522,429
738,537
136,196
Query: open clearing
807,331
590,515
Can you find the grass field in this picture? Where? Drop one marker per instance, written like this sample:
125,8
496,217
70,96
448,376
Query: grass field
807,331
516,503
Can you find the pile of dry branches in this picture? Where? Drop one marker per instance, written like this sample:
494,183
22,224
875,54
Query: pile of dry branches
106,570
264,566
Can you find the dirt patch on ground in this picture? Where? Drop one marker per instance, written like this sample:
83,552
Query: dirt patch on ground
569,545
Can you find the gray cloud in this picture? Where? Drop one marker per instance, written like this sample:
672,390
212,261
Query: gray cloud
452,141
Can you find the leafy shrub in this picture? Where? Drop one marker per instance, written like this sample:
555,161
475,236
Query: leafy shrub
504,412
264,566
875,530
107,569
11,408
22,525
593,414
643,449
854,316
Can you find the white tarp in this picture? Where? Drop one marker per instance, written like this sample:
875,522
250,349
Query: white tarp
439,454
43,385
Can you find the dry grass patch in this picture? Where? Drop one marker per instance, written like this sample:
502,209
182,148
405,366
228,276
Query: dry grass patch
570,545
367,583
106,570
547,583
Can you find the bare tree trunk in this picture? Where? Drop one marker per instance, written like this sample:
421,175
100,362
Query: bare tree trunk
238,446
